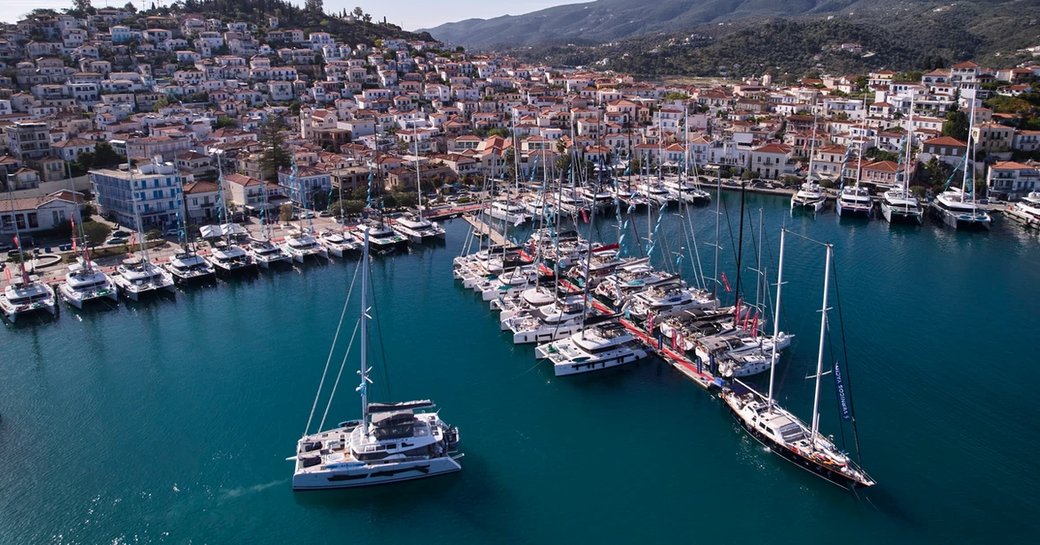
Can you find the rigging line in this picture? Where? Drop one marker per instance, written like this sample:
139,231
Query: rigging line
729,227
379,333
830,346
808,238
332,350
845,353
343,363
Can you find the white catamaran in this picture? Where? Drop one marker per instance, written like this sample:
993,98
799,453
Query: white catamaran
391,442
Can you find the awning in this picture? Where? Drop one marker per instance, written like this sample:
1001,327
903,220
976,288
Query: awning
216,231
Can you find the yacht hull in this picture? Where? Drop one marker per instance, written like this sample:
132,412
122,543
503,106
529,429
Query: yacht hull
893,214
825,473
368,475
78,301
852,211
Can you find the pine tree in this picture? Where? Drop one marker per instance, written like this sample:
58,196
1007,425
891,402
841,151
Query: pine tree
275,155
314,5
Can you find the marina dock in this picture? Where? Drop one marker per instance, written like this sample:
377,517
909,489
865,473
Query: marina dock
481,227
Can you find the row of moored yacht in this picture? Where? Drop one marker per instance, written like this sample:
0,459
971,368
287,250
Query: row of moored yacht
602,307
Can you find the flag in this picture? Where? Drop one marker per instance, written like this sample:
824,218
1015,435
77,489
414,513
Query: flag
16,243
725,283
675,338
736,313
747,318
7,273
73,220
754,327
584,215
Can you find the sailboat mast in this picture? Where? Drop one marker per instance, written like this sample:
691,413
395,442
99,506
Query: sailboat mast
220,196
718,220
776,318
137,213
17,232
968,156
812,147
819,354
418,185
363,388
909,149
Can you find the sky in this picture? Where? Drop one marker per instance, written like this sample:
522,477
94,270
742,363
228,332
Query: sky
410,14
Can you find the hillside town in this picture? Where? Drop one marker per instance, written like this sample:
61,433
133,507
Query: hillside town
301,118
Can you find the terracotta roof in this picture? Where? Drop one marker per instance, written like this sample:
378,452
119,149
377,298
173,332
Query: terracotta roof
945,141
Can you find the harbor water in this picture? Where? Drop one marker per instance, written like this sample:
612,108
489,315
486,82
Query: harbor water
169,421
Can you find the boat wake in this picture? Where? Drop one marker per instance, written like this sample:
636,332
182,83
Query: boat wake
246,490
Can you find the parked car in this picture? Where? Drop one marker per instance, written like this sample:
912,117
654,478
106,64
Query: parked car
115,241
120,234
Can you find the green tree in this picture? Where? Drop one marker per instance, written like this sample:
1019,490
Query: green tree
285,213
153,234
956,125
96,233
275,154
224,121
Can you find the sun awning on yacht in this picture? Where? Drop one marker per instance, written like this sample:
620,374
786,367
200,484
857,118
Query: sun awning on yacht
214,231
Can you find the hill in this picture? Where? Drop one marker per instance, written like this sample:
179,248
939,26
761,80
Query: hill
341,25
740,37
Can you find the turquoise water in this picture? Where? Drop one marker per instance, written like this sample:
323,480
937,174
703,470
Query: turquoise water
170,421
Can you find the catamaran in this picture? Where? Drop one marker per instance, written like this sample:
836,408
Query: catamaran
85,282
336,244
956,207
780,430
391,442
810,195
187,266
137,275
899,205
25,294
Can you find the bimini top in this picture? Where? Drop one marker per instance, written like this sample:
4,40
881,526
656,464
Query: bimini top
374,408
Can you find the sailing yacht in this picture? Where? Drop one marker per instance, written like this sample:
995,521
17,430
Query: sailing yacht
854,200
1026,211
84,282
26,295
136,276
188,267
780,430
336,244
681,189
594,348
810,195
391,442
227,257
266,254
899,205
300,245
230,259
956,207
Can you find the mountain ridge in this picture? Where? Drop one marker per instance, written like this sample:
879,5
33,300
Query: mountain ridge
900,35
